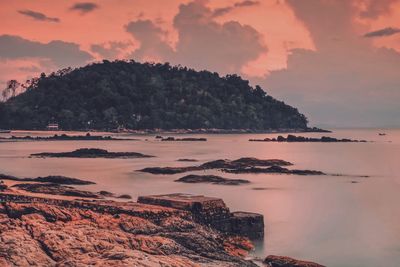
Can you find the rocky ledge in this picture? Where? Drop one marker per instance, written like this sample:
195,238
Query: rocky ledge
218,164
281,261
292,138
64,137
49,232
185,139
91,153
273,169
213,179
55,179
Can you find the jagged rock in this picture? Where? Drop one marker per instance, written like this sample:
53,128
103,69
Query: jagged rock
91,153
56,189
273,169
3,186
55,179
293,138
213,179
49,232
212,211
219,164
281,261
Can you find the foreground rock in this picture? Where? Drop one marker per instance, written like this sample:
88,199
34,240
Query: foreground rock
273,169
218,164
212,211
56,189
64,137
293,138
48,232
55,179
281,261
213,179
91,153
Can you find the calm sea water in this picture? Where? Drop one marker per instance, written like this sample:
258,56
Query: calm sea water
327,219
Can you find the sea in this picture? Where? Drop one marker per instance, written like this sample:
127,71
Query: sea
349,218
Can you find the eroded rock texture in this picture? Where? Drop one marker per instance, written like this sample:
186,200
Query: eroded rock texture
44,232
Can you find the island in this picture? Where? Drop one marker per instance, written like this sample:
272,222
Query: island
91,153
292,138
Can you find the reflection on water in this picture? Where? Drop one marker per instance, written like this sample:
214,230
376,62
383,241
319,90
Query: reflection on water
326,219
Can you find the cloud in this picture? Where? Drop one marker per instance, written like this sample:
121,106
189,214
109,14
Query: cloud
382,32
84,7
203,43
347,81
111,50
376,8
60,53
37,15
224,10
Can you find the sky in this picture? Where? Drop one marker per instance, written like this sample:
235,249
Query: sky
337,61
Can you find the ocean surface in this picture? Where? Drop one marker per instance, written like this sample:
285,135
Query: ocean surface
344,221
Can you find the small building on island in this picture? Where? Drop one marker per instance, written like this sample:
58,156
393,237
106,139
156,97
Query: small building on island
52,127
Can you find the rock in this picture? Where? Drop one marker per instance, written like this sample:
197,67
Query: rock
213,212
106,193
273,169
189,139
91,153
3,186
187,160
55,179
218,164
61,180
211,179
48,232
56,189
293,138
125,196
281,261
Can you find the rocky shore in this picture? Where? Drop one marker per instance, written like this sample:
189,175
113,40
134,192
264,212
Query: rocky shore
292,138
64,137
91,153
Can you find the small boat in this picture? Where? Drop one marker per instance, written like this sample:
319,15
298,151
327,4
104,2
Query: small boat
5,131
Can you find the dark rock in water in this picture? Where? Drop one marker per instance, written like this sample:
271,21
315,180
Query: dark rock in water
55,179
159,137
188,160
168,170
3,186
125,196
219,164
55,189
281,261
211,179
213,212
91,153
292,138
106,193
273,169
189,139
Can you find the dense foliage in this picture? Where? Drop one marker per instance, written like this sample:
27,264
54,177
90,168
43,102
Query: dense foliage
144,96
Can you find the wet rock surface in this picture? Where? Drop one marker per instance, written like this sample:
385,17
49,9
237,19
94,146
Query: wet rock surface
48,232
281,261
213,179
273,169
56,189
218,164
293,138
91,153
55,179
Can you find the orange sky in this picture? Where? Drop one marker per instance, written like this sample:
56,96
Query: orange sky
262,40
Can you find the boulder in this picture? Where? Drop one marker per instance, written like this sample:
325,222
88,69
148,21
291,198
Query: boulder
281,261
